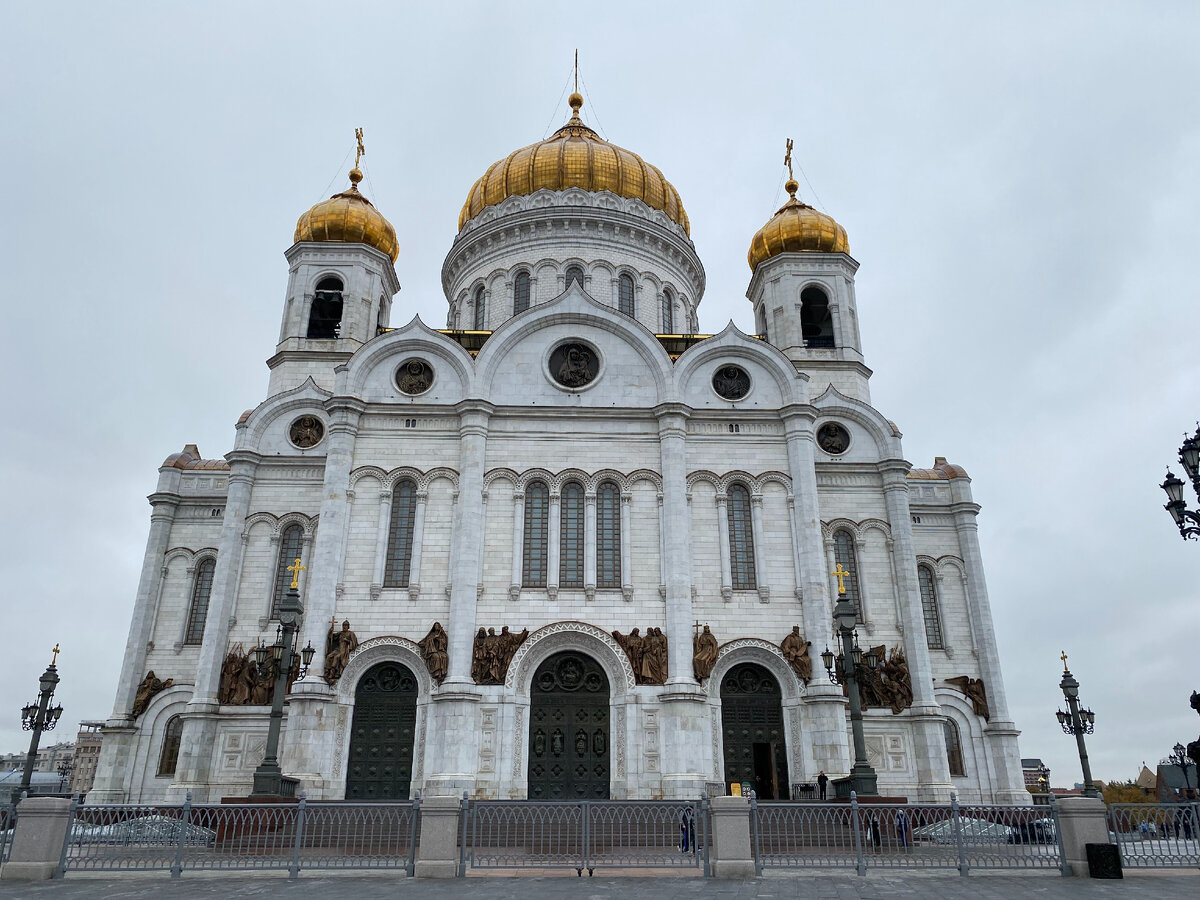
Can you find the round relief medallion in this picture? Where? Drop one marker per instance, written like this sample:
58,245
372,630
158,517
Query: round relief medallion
415,376
306,432
731,382
833,438
574,365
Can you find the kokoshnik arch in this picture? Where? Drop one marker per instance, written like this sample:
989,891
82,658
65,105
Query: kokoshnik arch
517,527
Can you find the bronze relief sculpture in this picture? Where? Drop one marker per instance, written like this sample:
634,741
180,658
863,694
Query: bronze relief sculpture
890,685
647,654
704,654
150,686
242,684
795,651
338,647
492,654
976,693
435,650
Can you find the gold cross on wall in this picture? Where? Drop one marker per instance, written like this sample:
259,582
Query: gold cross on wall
841,574
54,654
296,569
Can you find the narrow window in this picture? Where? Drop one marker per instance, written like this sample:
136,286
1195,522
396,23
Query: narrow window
574,273
521,293
381,317
400,534
954,754
201,591
741,539
761,316
816,323
570,567
480,311
608,536
537,516
168,759
291,543
325,317
929,606
668,312
625,295
844,556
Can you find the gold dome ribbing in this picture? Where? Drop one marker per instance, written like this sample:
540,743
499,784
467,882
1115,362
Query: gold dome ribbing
797,227
350,218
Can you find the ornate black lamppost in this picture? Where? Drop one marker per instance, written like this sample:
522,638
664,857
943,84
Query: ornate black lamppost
39,717
64,774
862,778
1189,458
1077,722
1179,758
269,780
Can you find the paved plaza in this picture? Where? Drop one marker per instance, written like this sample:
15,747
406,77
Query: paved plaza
1161,885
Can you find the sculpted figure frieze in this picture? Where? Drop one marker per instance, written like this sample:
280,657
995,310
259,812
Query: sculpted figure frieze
242,684
435,648
795,651
704,653
150,686
975,691
647,654
338,647
493,652
888,686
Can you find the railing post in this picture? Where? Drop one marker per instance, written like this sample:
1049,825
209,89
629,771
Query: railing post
755,835
414,833
703,827
184,819
956,821
1058,837
301,808
62,859
585,815
856,827
464,814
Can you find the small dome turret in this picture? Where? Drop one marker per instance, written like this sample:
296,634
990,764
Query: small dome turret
349,218
797,227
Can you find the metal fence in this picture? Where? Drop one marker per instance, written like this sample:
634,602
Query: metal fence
1156,835
861,836
8,826
587,834
289,837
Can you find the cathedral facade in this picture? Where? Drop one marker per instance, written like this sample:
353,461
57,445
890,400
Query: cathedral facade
564,547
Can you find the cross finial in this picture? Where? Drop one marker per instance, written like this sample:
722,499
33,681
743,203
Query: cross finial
841,575
361,151
1064,659
54,654
295,568
787,158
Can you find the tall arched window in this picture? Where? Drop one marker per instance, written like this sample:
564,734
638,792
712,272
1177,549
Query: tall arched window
168,757
521,293
480,310
381,317
570,565
816,322
291,543
954,754
845,556
741,539
668,311
201,591
929,607
325,316
625,295
400,534
537,517
574,273
608,536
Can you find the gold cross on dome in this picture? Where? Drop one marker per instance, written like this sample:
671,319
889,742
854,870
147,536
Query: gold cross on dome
296,569
54,654
361,151
1064,659
787,158
842,575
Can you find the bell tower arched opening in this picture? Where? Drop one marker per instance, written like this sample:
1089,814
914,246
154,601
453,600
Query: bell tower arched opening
568,729
325,317
754,743
380,761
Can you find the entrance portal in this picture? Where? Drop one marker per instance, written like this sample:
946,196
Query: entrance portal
568,729
381,734
752,721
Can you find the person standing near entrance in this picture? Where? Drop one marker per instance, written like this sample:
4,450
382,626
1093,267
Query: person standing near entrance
822,783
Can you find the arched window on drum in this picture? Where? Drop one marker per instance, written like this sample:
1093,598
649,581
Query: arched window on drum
608,536
741,539
625,295
521,286
536,536
400,534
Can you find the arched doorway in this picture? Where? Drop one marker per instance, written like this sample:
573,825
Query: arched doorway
568,729
381,734
755,748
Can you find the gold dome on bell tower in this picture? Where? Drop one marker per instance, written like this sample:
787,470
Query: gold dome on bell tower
796,228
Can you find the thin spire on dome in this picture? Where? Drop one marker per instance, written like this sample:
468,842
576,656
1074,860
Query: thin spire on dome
575,101
791,186
356,174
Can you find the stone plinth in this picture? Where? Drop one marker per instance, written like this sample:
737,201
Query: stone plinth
42,824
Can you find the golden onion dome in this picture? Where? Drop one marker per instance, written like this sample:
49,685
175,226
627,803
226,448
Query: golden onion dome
574,156
797,227
349,218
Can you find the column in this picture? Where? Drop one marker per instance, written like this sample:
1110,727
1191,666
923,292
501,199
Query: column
192,772
381,542
483,543
553,545
760,555
589,545
685,726
933,768
797,571
662,549
518,545
120,732
418,537
626,547
723,539
824,706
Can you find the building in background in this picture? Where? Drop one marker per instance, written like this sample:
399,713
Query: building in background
49,759
87,755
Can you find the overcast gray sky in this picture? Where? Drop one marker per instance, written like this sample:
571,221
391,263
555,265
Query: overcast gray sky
1020,186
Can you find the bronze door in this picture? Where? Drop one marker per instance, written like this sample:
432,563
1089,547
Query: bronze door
755,748
381,734
568,730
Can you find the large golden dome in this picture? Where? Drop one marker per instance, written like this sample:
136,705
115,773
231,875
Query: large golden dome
574,156
349,218
797,227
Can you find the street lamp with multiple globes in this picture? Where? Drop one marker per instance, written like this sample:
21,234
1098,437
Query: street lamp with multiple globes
1189,458
1077,722
862,778
1179,757
39,717
269,780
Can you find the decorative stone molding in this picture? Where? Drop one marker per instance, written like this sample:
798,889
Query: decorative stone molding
755,650
386,648
570,636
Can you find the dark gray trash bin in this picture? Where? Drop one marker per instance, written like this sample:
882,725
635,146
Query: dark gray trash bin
1104,861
